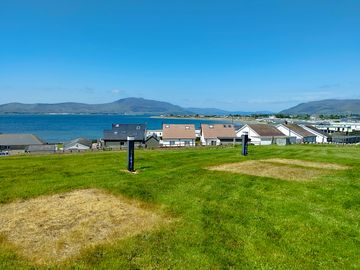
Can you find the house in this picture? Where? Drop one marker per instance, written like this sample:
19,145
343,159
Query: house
157,132
262,134
116,138
152,142
217,134
41,149
178,135
321,137
78,144
294,130
18,142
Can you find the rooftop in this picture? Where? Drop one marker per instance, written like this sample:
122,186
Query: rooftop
299,130
19,139
212,131
265,130
179,131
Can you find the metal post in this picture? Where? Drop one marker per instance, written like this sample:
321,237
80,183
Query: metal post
244,140
131,147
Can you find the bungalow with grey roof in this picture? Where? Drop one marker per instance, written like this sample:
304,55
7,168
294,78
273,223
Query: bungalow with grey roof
294,130
321,137
18,142
116,138
78,144
263,134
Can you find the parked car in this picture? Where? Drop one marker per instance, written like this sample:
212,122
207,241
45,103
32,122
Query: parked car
4,153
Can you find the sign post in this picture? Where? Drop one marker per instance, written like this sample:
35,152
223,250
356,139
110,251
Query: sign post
131,147
245,139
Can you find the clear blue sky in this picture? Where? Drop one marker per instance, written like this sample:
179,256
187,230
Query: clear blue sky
235,55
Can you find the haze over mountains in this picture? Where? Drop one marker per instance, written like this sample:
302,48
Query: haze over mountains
139,106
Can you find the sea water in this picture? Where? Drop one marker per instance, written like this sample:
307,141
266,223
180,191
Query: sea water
61,128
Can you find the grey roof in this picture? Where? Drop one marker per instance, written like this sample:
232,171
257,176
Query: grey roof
82,141
120,132
41,148
299,130
317,130
19,139
265,130
152,136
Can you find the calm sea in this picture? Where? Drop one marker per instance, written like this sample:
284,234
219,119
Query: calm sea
60,128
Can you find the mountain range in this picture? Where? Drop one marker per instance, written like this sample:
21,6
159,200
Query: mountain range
121,106
130,106
326,107
138,106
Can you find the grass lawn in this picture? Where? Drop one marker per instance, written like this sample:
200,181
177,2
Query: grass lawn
220,219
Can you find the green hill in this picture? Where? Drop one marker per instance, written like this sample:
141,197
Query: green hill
326,107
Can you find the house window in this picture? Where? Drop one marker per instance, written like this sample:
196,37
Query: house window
172,142
138,127
167,126
122,143
211,126
117,125
187,143
187,127
224,126
115,132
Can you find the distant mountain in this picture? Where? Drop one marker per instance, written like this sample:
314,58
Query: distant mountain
134,106
214,111
326,107
121,106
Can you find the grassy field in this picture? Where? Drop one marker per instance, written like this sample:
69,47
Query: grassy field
221,219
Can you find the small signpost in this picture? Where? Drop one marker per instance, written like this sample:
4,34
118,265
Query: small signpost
131,150
245,139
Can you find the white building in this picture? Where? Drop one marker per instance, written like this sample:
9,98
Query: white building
79,144
175,135
261,134
339,127
294,130
321,137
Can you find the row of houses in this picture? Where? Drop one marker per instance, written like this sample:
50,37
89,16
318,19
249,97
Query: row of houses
171,135
29,143
265,134
179,135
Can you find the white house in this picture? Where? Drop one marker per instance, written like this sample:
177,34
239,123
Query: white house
217,134
321,137
261,134
294,130
175,135
157,132
79,144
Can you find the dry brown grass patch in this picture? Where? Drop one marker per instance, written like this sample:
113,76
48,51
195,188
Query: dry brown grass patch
273,170
50,229
310,164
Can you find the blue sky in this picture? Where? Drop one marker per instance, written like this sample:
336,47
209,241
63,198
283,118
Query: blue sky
234,55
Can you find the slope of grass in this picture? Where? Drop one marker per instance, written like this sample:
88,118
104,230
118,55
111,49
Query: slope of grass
223,219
